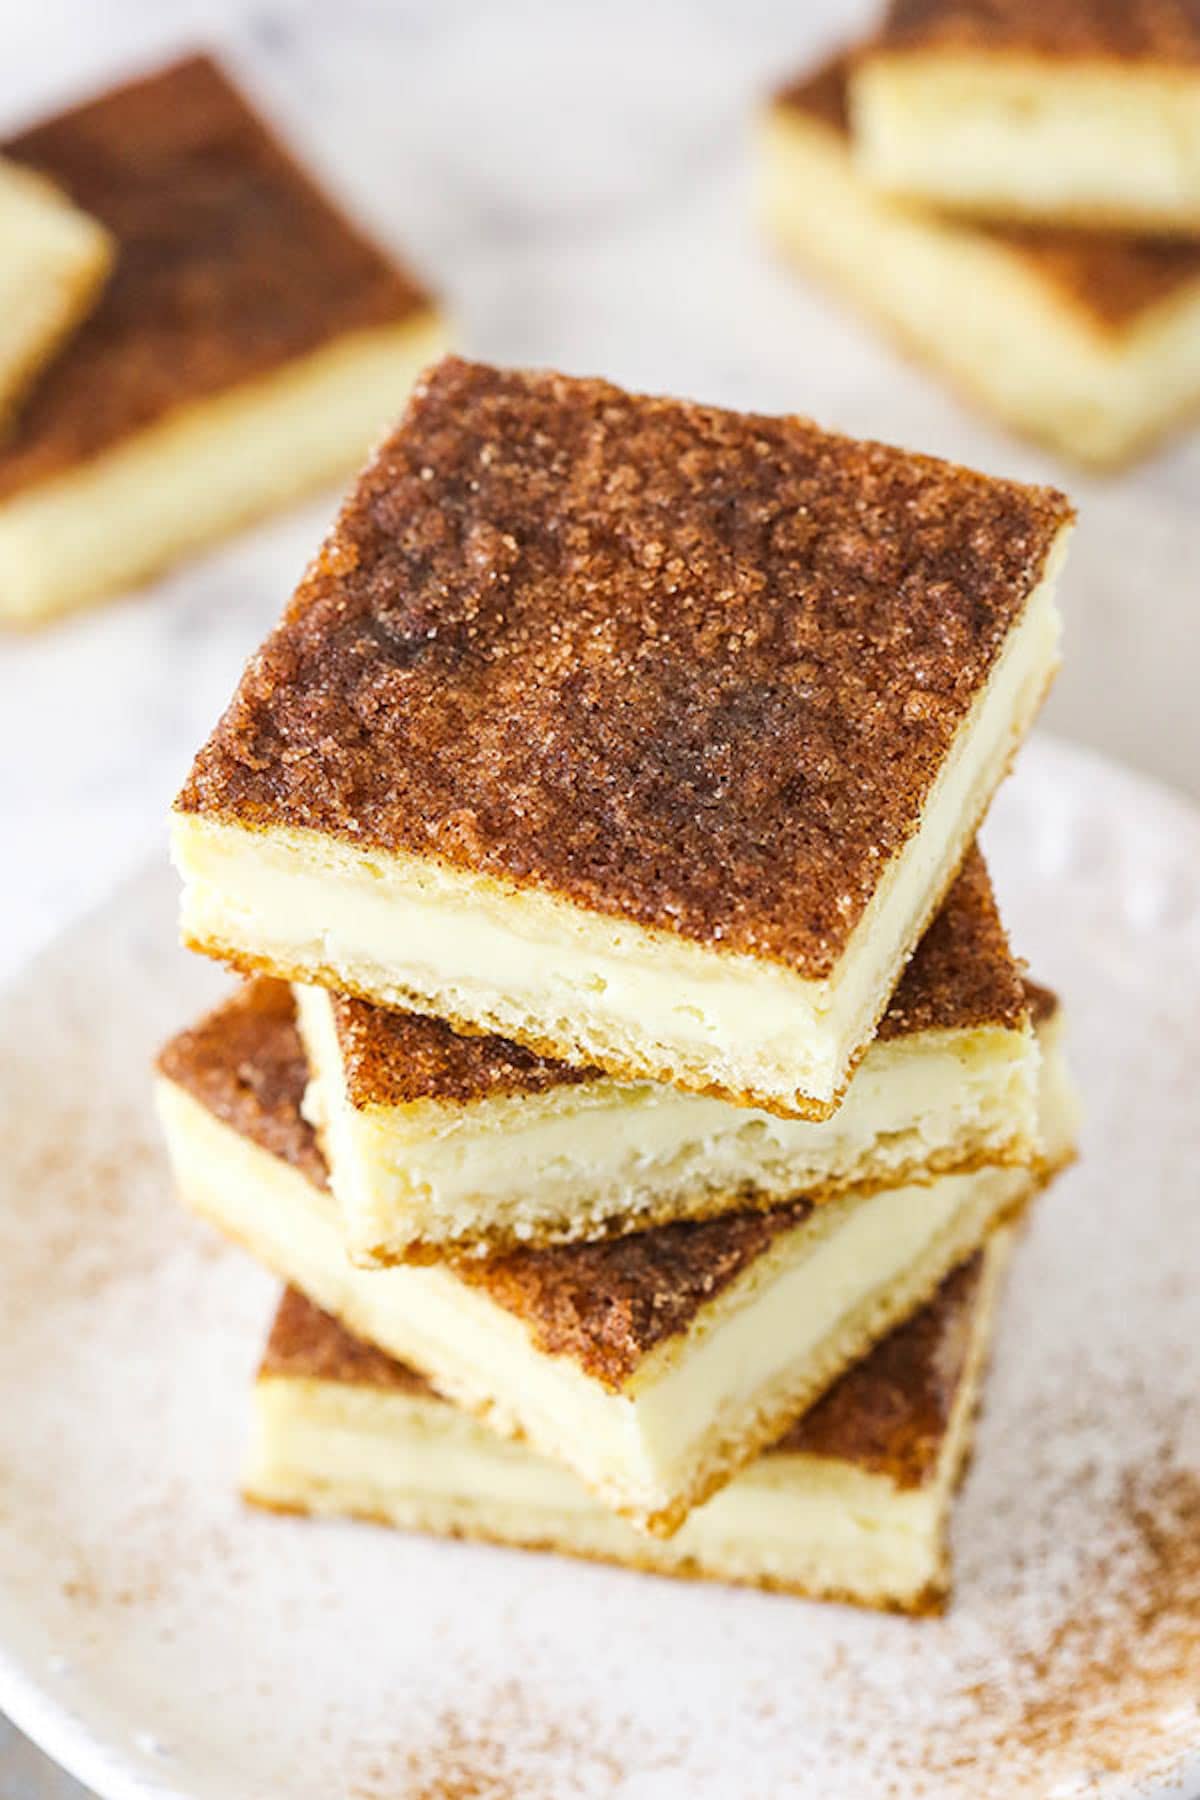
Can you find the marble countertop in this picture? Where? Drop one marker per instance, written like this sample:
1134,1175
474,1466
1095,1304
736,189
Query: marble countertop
574,178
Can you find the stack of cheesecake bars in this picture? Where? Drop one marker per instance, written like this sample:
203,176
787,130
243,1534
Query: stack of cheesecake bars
1013,190
632,1080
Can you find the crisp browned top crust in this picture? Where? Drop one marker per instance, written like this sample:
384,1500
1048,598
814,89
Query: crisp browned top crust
1110,278
691,667
1159,31
230,262
245,1064
961,976
607,1305
1114,280
888,1414
1043,1002
396,1058
306,1344
823,92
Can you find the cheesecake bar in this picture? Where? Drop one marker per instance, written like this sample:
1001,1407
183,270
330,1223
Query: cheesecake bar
53,259
654,1365
1086,341
1087,111
852,1503
647,735
437,1141
248,347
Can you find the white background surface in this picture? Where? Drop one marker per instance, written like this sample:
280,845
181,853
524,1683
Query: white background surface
574,179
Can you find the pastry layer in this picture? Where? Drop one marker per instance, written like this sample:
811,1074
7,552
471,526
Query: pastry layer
1088,342
436,1140
653,1365
1087,113
248,346
202,473
851,1504
53,258
726,759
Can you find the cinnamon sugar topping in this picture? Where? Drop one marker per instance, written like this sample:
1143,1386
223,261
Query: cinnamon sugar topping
1155,31
230,263
306,1344
889,1413
708,664
395,1058
245,1064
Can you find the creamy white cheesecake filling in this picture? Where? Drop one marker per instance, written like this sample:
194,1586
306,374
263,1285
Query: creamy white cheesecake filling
976,305
569,1162
697,1406
832,1530
204,470
815,1523
1028,138
414,933
52,259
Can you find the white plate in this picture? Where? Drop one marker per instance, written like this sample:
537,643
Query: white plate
159,1640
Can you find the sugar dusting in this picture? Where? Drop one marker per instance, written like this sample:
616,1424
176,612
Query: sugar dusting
1092,1677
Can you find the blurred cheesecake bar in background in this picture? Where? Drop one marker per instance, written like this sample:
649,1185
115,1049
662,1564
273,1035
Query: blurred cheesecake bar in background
1087,341
1081,111
249,344
648,735
851,1503
439,1142
654,1365
53,260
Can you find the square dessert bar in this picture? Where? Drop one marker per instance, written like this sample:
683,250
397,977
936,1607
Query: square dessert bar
248,346
1087,341
438,1142
852,1503
654,1365
53,259
1085,111
647,735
